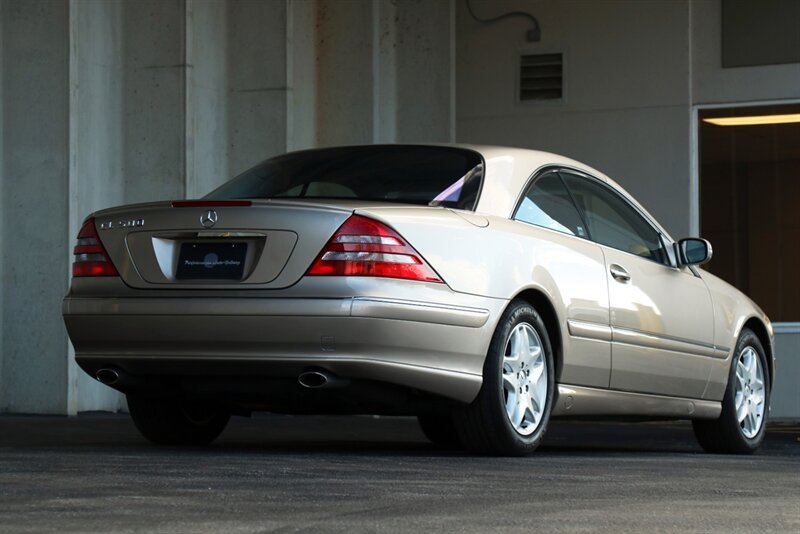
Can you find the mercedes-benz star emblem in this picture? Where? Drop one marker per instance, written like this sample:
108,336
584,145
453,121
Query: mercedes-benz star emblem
208,219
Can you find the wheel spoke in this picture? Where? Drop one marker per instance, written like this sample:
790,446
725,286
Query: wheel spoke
753,423
510,382
511,362
537,372
524,345
533,409
519,414
742,411
540,392
741,373
758,383
517,342
749,362
511,402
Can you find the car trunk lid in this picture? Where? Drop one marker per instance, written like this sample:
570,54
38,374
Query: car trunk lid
217,244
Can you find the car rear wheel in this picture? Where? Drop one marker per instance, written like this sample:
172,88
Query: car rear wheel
742,423
166,421
439,429
512,410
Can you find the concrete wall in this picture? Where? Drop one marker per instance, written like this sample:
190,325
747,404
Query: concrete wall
626,109
711,84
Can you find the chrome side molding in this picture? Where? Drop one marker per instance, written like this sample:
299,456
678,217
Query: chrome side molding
580,400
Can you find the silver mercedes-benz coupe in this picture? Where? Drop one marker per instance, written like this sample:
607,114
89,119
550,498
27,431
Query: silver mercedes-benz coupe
482,289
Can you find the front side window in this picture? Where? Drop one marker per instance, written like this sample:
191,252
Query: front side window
612,221
547,204
424,175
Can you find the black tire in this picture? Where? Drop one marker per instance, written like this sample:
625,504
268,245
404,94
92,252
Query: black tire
167,421
439,429
483,426
726,435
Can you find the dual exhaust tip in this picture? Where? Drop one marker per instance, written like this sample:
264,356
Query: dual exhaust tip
108,376
118,379
319,379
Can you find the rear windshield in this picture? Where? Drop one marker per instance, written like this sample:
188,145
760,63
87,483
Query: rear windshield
425,175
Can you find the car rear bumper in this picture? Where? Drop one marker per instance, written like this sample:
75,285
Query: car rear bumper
434,347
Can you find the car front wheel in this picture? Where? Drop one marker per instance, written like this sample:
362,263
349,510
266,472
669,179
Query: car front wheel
742,423
512,410
167,421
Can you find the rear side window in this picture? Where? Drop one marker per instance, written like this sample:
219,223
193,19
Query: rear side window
548,204
424,175
613,221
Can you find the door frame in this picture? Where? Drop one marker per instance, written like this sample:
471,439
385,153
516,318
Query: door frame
694,175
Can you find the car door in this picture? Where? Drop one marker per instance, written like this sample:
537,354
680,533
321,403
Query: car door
573,268
661,316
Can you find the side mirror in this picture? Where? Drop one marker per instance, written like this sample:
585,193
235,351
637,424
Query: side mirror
694,251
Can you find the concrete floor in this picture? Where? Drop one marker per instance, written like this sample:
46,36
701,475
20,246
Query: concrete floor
94,473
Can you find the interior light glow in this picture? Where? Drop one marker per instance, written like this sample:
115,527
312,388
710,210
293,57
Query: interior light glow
755,120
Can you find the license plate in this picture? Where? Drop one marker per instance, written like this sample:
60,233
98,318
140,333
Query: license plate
211,261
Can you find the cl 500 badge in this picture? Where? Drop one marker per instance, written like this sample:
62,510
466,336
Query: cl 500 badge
129,223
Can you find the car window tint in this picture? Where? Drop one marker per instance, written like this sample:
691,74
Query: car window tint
548,204
612,221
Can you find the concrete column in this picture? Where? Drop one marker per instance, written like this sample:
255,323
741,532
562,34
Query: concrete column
344,71
153,90
257,81
206,96
96,146
301,73
386,40
414,86
34,204
370,71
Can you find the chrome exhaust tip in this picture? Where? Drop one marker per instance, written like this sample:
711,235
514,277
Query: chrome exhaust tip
107,376
314,379
320,378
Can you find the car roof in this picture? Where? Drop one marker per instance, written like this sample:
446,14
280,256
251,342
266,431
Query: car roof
509,169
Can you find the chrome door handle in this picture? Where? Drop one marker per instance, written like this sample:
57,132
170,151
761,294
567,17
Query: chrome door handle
619,274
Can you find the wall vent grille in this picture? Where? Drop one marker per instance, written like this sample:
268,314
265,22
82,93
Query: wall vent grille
541,77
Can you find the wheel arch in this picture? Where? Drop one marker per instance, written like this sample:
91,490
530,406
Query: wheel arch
541,302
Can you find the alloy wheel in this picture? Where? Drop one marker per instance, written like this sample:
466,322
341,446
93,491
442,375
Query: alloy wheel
524,379
749,393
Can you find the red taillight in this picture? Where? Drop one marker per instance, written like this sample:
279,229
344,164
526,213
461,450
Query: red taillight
366,247
91,259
